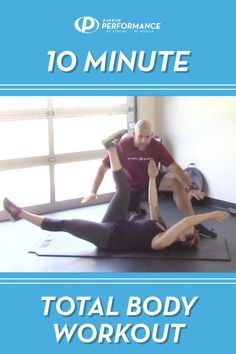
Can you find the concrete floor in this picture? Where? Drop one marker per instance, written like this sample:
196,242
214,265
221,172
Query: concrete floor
16,239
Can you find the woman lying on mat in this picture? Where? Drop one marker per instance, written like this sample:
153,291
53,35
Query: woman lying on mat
115,232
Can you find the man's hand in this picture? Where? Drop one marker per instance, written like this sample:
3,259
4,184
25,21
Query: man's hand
91,196
153,170
197,194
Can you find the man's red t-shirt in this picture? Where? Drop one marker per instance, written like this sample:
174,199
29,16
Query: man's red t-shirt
135,161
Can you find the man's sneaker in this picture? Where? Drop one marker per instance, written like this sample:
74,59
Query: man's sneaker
112,139
141,211
203,231
12,209
137,213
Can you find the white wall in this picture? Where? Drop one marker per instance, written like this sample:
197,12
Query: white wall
146,109
200,130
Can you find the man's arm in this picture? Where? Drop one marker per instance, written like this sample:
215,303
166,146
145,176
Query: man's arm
180,175
96,183
185,181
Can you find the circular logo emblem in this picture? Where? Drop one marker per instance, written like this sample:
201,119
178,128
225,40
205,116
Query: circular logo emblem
86,24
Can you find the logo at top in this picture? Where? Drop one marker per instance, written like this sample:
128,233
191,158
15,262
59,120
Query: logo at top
89,24
86,24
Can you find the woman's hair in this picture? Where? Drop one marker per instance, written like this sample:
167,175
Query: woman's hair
191,240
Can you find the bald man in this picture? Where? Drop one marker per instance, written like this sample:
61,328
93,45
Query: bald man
135,152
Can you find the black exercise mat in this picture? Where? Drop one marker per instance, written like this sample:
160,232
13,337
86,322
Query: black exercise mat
68,246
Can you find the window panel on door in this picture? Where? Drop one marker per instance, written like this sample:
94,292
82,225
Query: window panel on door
36,132
13,103
26,186
23,138
74,180
88,101
85,133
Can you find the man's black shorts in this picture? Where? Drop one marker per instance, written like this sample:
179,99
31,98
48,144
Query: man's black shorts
138,196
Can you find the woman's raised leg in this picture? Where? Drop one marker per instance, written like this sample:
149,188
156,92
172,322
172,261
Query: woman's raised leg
118,206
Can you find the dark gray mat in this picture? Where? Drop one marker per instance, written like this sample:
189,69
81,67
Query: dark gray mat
69,246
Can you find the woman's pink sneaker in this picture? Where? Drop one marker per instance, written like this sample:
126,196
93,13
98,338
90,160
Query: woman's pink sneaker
12,209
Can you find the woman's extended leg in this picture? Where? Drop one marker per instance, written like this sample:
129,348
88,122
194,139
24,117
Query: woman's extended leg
96,233
118,206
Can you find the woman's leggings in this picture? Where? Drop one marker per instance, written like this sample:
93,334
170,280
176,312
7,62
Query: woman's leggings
97,233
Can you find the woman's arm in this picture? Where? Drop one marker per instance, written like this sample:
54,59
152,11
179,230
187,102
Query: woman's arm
170,236
153,172
152,190
167,238
218,216
153,198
